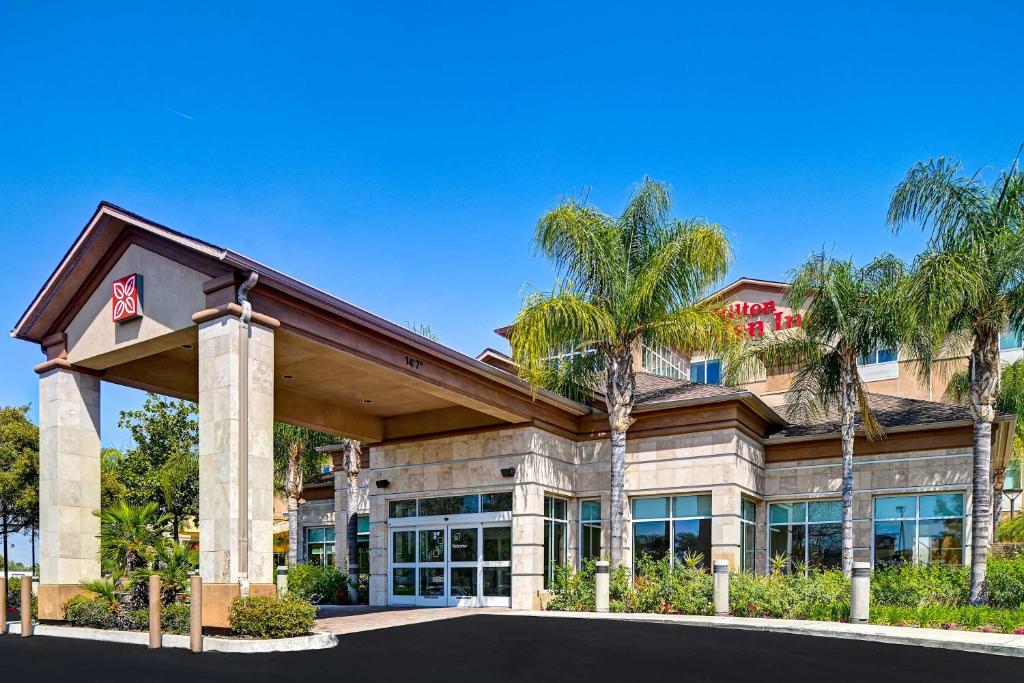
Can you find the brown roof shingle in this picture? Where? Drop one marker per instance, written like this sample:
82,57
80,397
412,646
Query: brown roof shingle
890,411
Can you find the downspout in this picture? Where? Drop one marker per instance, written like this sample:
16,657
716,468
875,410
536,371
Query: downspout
245,332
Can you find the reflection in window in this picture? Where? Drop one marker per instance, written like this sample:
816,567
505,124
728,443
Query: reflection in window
706,371
928,528
678,528
320,545
878,356
658,359
807,535
590,530
748,534
556,537
1010,339
451,505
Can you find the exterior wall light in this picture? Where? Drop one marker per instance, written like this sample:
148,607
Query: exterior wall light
508,472
383,483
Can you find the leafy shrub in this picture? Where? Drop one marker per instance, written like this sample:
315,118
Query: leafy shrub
921,585
657,587
14,597
82,610
260,616
968,617
574,590
176,618
1005,582
318,584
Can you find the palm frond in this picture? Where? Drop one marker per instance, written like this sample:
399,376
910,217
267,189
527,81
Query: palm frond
937,195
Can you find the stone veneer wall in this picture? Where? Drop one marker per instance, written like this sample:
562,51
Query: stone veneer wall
470,464
873,475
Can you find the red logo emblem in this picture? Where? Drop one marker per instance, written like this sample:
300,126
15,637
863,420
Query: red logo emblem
127,298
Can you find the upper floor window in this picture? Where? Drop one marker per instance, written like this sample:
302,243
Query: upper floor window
706,371
661,360
878,356
1009,340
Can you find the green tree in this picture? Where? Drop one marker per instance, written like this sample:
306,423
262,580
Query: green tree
295,460
639,278
19,474
848,313
112,490
163,465
968,288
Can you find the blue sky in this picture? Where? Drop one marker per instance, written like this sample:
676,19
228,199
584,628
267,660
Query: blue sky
398,155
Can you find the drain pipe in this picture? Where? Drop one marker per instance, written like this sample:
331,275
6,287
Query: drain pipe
245,333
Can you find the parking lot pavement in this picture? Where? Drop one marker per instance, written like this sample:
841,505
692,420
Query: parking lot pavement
496,648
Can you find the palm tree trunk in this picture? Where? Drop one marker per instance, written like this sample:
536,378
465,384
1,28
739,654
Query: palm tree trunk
997,498
293,530
6,550
847,411
175,523
619,396
352,528
984,389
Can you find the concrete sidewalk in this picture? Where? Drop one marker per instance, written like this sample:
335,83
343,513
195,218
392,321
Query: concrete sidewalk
1010,645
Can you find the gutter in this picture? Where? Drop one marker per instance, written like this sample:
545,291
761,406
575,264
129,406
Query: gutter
244,335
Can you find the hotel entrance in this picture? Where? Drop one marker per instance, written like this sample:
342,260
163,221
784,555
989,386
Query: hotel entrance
463,559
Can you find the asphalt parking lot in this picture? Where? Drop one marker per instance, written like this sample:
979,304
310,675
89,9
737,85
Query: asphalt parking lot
496,648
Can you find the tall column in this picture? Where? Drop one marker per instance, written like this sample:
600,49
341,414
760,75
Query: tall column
69,485
528,563
726,502
236,463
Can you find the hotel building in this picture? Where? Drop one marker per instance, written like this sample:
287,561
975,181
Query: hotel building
473,486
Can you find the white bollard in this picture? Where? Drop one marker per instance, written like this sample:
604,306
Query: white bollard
860,593
720,587
282,580
601,586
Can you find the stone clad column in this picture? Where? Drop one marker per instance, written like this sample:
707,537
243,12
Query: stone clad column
726,502
226,419
69,485
527,546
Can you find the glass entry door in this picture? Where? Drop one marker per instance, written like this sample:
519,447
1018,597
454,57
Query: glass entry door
458,565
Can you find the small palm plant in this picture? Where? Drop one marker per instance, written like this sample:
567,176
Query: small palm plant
129,535
108,589
175,563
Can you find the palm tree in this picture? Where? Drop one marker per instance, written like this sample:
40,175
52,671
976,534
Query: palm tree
968,288
175,563
1009,400
295,460
129,536
849,313
639,278
352,453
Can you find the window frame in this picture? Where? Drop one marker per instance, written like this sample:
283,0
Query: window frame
306,555
549,523
704,371
746,524
917,519
671,519
866,360
660,360
769,556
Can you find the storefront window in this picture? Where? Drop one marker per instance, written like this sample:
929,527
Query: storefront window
806,535
678,528
450,505
748,534
556,537
925,529
590,530
319,545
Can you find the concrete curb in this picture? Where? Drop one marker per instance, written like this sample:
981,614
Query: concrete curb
1008,645
315,641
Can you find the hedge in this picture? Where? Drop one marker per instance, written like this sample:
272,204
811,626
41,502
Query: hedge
317,583
267,617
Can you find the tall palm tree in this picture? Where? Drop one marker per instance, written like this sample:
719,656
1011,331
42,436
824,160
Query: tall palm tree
295,460
849,312
639,278
968,288
352,454
1009,400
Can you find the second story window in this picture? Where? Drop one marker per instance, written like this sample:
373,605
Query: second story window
878,356
707,371
661,360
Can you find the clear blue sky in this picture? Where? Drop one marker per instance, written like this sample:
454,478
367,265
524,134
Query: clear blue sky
398,155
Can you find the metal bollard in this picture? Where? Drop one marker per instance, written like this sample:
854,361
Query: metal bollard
196,632
282,580
26,606
860,593
601,586
3,605
720,587
154,611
